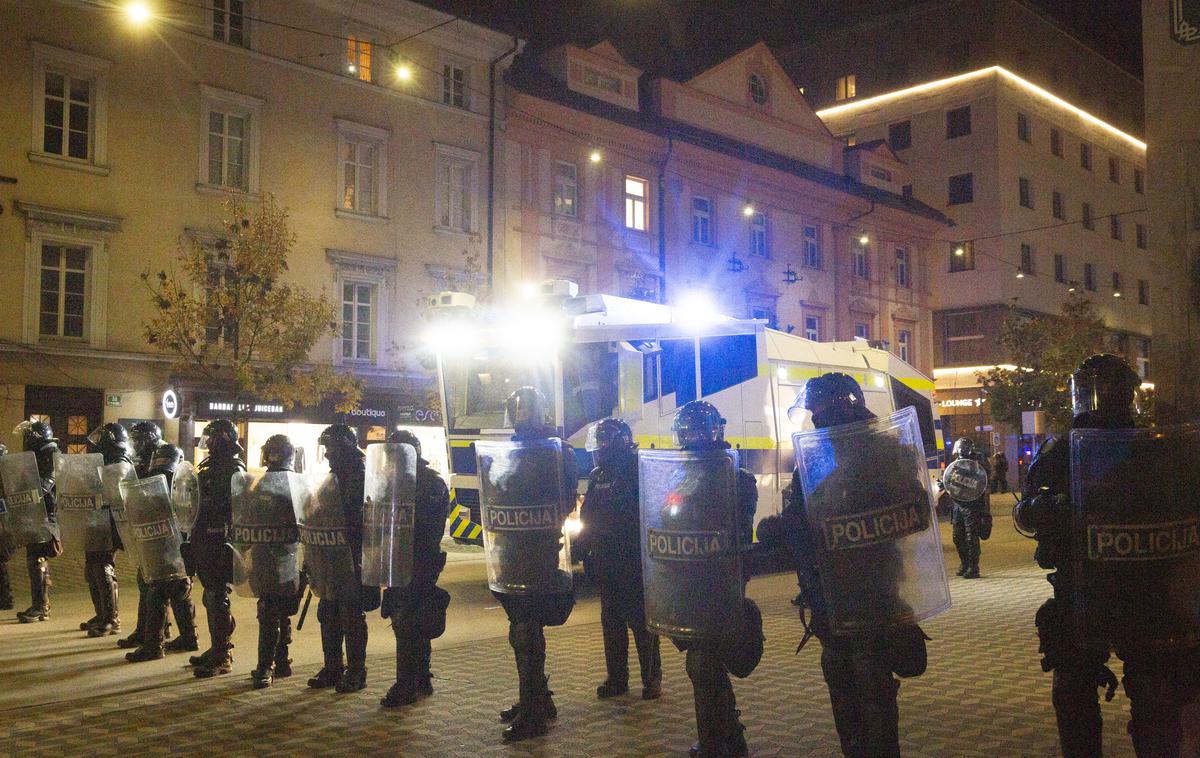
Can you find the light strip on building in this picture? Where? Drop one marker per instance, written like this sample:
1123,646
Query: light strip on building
1030,87
951,370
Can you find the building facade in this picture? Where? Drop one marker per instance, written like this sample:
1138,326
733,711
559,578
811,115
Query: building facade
123,136
724,185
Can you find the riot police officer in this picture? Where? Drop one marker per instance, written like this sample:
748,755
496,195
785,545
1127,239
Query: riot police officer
6,551
528,415
176,593
858,665
100,566
610,543
1159,680
212,560
418,611
699,426
38,437
273,563
343,618
146,437
970,521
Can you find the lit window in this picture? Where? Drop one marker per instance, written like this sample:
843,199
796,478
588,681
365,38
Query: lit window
456,176
861,268
356,321
1142,238
1026,259
758,234
903,278
812,328
961,189
362,164
1088,221
758,89
1023,132
962,257
566,189
1056,205
958,122
636,191
702,221
1085,155
904,343
63,288
1056,145
847,87
1025,192
358,59
455,85
229,21
812,247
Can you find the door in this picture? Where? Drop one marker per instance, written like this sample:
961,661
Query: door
73,412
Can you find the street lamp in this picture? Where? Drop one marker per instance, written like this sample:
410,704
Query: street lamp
138,13
595,156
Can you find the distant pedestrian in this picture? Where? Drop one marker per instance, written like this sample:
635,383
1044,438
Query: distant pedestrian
1000,472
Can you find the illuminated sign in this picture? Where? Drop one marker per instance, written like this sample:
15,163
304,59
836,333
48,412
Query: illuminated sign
170,404
269,409
1185,21
961,402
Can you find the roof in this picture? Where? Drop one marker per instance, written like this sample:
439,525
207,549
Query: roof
527,77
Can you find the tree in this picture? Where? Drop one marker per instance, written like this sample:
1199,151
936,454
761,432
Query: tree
1046,350
229,318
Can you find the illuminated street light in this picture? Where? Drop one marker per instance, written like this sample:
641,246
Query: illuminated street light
1020,274
403,72
748,210
960,251
864,239
138,13
1117,293
595,156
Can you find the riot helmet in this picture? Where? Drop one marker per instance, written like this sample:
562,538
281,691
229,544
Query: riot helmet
833,399
110,439
526,411
3,450
698,425
405,437
220,437
278,453
340,441
1103,386
609,438
166,459
146,437
35,435
964,447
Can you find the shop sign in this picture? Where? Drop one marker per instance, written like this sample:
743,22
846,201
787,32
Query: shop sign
113,399
170,404
961,402
258,409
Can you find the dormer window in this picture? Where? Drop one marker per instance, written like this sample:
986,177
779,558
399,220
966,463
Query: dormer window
601,81
758,89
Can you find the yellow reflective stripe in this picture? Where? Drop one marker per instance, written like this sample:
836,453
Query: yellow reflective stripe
461,443
797,373
918,384
667,442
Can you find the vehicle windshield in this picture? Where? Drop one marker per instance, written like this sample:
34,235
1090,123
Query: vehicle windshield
478,385
589,385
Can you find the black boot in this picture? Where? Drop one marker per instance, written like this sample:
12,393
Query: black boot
424,675
90,575
180,595
268,642
283,664
355,677
220,629
110,618
6,596
148,651
137,636
529,648
39,590
404,690
331,646
649,661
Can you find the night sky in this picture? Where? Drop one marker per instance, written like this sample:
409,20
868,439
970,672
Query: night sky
666,35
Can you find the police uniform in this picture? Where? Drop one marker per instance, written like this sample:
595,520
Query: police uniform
967,522
39,438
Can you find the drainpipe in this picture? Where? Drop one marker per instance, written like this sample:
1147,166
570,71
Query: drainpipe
491,149
662,221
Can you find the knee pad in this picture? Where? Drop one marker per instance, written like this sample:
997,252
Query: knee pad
215,598
326,611
704,667
525,635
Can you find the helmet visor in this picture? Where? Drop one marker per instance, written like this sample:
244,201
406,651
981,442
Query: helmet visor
23,427
96,436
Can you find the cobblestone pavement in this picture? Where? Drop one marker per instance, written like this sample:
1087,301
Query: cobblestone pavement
983,695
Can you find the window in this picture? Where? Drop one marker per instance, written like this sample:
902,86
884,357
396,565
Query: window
636,191
1114,169
1143,359
904,344
455,87
356,321
70,119
1139,181
229,22
1025,192
961,189
730,360
1056,145
1089,277
1085,155
812,247
599,80
758,89
1114,226
1088,221
63,288
861,269
847,87
358,59
1056,204
1116,281
1143,292
962,257
965,341
958,122
758,235
812,328
1026,259
862,330
566,189
1060,268
218,326
702,231
1023,128
230,150
900,135
903,278
1141,236
457,174
362,156
764,313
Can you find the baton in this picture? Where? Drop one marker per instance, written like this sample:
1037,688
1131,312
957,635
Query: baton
304,611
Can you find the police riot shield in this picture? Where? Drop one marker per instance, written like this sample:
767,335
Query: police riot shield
111,477
389,515
690,566
870,508
82,520
328,554
25,520
1136,536
522,507
185,495
265,536
154,529
965,480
